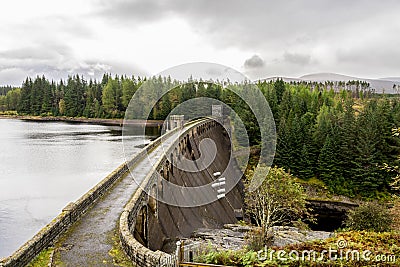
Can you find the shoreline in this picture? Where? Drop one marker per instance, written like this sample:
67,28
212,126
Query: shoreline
106,122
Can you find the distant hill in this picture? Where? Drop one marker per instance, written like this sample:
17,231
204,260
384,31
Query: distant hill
286,79
380,85
395,79
321,77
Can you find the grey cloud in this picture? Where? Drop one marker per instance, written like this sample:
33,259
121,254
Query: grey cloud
118,67
251,23
43,48
15,75
297,58
254,62
12,76
297,37
390,55
39,57
45,52
55,62
140,11
50,29
273,27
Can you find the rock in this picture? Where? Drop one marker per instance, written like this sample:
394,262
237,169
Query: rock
233,237
238,228
285,235
218,238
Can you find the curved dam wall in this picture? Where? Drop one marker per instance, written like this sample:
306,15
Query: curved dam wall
149,228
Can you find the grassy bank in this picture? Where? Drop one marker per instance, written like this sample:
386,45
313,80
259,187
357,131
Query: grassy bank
353,248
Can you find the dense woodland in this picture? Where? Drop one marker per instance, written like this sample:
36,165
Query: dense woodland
341,139
340,134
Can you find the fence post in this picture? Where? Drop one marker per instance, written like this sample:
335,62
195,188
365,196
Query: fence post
178,252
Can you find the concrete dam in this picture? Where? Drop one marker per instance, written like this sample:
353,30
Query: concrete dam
135,203
167,222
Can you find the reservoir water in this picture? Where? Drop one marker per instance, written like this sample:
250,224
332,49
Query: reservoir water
46,165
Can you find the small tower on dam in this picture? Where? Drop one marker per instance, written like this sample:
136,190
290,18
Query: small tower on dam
217,112
175,121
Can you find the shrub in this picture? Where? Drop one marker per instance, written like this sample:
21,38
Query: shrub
395,211
278,200
225,257
370,216
256,240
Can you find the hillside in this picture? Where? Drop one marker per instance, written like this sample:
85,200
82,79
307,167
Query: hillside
380,85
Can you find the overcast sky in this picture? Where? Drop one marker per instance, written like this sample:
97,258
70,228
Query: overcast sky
144,37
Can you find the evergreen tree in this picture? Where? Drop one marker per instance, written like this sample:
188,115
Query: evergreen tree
329,168
129,88
347,142
279,87
166,107
24,106
47,97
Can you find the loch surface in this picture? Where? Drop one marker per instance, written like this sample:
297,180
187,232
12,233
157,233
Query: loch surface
46,165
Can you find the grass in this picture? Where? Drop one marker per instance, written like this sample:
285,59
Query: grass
352,248
43,259
117,252
8,113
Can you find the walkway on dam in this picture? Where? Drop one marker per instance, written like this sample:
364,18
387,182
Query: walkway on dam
88,242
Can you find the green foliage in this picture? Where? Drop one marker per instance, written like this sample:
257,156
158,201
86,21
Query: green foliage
339,139
43,259
239,258
8,112
117,252
225,257
129,87
395,212
12,98
61,107
4,90
109,96
376,244
394,169
255,239
370,216
279,87
278,200
3,106
74,98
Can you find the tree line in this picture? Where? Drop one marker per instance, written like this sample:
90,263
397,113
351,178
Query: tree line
107,98
74,97
338,136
